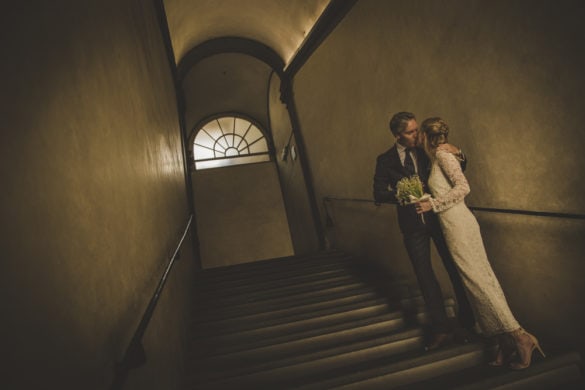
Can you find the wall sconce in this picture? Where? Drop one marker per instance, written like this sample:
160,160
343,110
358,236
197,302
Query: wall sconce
293,152
284,153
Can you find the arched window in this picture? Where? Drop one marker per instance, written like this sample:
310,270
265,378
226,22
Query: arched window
229,140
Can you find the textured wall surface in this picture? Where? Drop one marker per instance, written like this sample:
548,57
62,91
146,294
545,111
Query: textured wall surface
240,215
227,82
294,190
507,77
93,194
240,210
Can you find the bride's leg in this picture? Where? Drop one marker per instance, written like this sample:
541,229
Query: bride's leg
465,313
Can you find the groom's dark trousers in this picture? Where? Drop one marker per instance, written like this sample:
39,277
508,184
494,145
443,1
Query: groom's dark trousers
417,237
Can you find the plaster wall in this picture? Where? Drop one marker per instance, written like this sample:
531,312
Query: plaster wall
227,82
240,212
93,195
507,77
240,215
292,179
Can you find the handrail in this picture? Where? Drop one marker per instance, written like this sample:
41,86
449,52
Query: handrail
135,355
485,209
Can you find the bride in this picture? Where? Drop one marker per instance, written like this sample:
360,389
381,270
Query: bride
449,187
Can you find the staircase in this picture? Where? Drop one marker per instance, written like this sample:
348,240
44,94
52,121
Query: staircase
324,321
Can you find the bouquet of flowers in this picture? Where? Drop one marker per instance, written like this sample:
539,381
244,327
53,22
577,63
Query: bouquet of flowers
410,190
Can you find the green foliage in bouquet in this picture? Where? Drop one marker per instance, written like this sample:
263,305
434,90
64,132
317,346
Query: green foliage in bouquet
408,186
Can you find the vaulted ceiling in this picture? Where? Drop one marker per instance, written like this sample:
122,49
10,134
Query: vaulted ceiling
282,25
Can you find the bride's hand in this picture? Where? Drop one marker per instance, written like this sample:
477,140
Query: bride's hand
423,207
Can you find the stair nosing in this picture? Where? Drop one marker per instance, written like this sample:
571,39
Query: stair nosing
382,345
383,307
372,329
391,318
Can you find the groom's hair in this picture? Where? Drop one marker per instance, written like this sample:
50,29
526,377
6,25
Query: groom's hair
399,122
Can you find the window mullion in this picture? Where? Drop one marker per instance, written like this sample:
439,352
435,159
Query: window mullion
236,153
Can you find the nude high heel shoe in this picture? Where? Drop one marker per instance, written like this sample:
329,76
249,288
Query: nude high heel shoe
526,343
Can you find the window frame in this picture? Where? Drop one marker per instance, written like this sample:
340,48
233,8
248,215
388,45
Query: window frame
231,115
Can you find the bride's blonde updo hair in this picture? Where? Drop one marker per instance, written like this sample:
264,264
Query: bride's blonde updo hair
436,133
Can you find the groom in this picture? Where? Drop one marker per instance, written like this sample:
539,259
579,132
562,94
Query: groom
405,159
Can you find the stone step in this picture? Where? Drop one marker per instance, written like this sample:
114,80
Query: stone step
558,371
327,338
268,286
270,266
348,295
322,321
400,358
256,338
302,322
312,358
390,374
298,292
319,297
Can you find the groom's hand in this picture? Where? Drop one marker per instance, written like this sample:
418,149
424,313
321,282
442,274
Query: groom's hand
423,207
449,148
452,149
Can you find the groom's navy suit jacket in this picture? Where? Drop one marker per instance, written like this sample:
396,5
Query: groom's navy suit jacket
389,171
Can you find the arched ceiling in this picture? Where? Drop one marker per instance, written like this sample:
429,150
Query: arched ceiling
279,24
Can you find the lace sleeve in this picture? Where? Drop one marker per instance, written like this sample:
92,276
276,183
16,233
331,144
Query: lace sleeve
451,167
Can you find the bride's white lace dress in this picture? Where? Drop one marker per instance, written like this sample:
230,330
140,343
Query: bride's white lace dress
449,188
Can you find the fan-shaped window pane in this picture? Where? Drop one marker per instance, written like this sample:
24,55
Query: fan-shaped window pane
226,124
203,152
242,126
229,141
254,134
203,139
212,128
258,146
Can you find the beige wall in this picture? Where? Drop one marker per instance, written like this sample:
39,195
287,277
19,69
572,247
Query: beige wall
240,215
228,82
507,76
240,212
167,338
292,179
93,194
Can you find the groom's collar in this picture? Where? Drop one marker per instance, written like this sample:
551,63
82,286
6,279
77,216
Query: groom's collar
401,148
